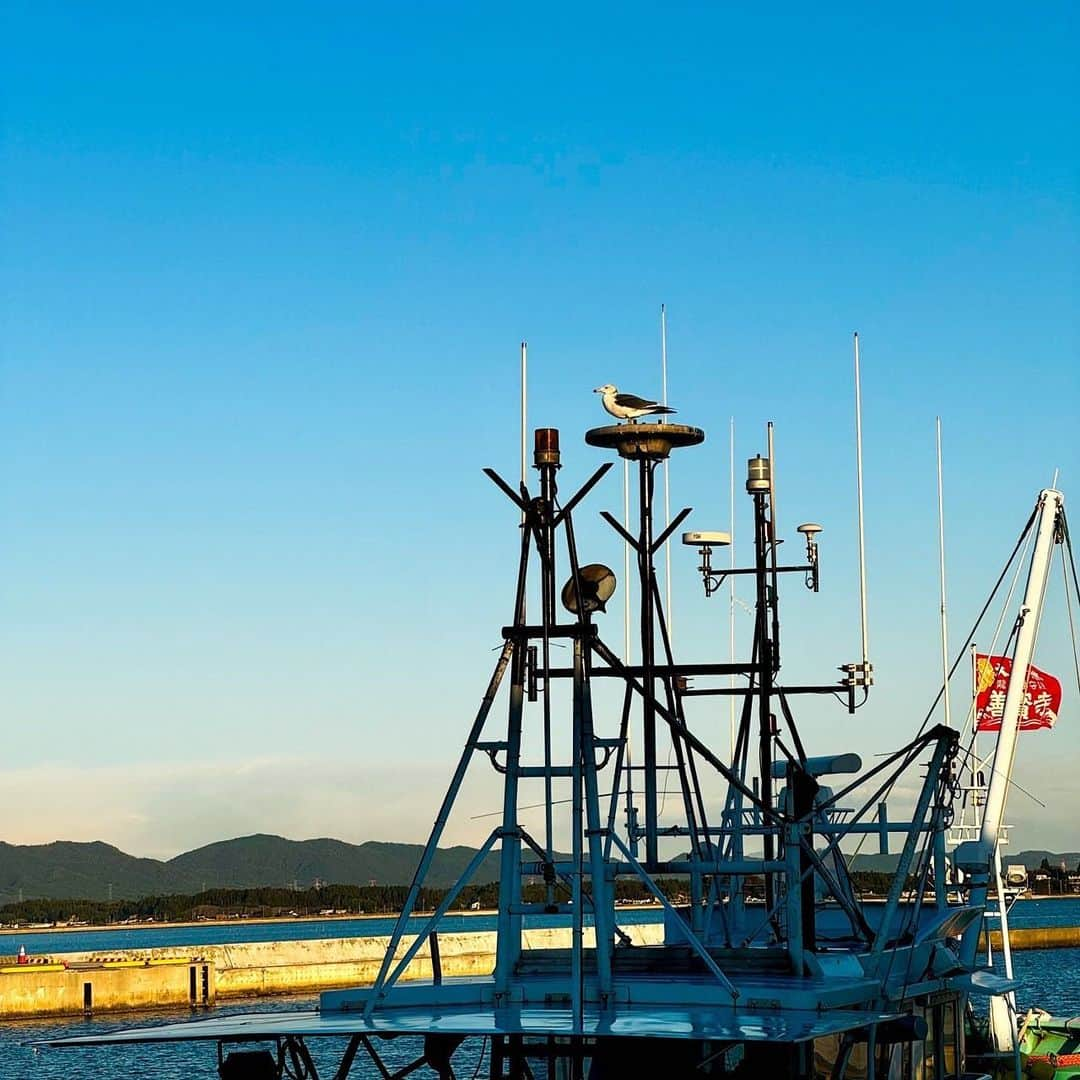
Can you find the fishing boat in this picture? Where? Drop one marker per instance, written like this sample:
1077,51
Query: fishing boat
1050,1046
771,965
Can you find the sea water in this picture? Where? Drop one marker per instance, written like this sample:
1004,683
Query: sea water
1049,979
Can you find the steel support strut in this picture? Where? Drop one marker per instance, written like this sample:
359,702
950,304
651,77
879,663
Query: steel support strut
646,573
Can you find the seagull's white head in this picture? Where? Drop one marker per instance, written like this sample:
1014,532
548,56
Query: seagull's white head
607,388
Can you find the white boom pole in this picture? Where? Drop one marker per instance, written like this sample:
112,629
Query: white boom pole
1050,502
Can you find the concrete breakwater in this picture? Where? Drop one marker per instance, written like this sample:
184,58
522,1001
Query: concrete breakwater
1037,937
79,983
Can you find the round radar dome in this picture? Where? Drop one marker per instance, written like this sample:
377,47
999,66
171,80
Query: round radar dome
597,587
698,538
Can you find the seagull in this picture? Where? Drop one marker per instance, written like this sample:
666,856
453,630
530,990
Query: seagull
628,406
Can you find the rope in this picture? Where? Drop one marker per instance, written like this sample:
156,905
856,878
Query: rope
1058,1061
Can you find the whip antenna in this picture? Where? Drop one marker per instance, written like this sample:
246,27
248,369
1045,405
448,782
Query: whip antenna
941,554
524,415
731,581
865,667
667,476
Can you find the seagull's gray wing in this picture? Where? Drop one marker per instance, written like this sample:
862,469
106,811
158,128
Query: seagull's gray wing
632,401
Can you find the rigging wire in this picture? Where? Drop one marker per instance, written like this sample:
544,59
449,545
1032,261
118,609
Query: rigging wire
1012,783
1068,596
979,619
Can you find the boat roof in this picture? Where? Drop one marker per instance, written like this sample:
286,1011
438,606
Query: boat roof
643,1021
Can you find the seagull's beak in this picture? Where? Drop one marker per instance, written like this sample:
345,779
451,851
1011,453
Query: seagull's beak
598,390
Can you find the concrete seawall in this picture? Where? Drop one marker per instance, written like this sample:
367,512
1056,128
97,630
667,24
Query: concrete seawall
1040,937
156,978
82,988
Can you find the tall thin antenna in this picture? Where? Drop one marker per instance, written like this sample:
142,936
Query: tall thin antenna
859,481
524,413
731,581
667,477
941,554
772,483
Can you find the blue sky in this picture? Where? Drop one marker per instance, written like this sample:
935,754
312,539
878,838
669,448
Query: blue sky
264,275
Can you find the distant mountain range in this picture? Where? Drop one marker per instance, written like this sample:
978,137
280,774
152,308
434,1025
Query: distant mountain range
1031,859
97,870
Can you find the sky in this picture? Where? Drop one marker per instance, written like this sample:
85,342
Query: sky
264,274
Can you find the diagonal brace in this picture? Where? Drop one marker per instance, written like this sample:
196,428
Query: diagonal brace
441,910
695,943
519,501
676,521
582,492
614,523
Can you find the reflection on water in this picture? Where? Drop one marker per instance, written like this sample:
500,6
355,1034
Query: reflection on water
178,1061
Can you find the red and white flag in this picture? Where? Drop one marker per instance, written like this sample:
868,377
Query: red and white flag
1042,695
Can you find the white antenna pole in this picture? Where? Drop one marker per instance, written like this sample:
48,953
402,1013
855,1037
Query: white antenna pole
667,477
859,482
731,581
941,554
524,413
772,483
